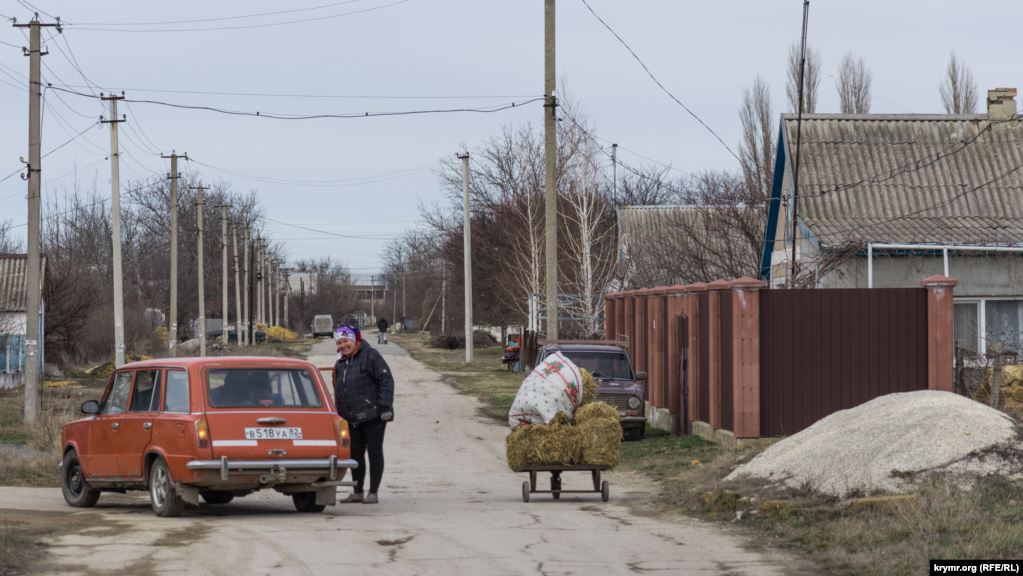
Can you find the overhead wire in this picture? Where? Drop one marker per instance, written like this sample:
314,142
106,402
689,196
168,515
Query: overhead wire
220,19
338,183
658,82
326,96
245,27
350,115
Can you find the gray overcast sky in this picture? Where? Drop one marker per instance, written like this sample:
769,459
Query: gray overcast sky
391,55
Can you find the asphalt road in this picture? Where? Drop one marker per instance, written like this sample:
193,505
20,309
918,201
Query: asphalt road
449,506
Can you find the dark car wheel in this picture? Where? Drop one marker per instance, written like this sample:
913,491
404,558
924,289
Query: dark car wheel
77,491
162,495
635,434
215,497
306,502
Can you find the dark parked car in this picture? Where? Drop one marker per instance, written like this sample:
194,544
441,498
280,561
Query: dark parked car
618,385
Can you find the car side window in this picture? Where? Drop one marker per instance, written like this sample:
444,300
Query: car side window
177,392
117,401
146,396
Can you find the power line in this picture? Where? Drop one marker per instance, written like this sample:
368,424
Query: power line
246,27
324,232
323,96
339,183
221,19
658,82
350,115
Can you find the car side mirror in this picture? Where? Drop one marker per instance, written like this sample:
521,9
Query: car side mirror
90,407
641,375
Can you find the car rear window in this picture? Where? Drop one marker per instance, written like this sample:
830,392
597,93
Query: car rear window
603,364
262,388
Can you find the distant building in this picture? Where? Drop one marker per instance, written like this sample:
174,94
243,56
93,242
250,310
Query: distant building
297,281
13,316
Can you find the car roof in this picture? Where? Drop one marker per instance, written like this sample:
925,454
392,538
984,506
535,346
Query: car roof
220,362
585,347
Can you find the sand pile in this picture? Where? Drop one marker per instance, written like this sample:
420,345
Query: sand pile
886,444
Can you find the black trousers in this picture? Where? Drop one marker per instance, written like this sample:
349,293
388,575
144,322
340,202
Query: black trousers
368,436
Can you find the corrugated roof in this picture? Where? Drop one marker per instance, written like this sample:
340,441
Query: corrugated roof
12,282
910,178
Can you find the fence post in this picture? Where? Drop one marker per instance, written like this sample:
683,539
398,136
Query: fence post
746,356
609,316
696,344
674,305
717,289
940,336
639,332
629,325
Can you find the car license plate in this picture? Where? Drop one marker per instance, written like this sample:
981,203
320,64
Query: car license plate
273,433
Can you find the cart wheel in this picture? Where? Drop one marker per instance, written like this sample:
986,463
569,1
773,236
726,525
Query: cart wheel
525,490
556,487
605,491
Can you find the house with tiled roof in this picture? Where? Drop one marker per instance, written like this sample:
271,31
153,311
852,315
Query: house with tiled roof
886,200
13,316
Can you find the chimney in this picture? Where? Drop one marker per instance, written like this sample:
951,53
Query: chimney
1001,103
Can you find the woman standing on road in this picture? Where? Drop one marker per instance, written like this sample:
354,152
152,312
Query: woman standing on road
364,391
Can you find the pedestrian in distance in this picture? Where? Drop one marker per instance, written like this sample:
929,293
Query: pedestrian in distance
382,326
364,391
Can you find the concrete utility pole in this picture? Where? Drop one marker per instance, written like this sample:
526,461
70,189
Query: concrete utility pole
33,284
223,273
550,180
287,294
237,289
259,280
245,280
172,332
394,300
372,298
403,274
277,292
199,204
115,220
443,297
467,259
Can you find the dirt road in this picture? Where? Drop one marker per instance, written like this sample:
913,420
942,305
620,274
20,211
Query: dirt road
448,506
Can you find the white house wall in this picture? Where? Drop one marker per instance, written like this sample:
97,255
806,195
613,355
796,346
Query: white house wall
978,276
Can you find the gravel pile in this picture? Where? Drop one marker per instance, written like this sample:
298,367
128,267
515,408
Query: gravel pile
887,443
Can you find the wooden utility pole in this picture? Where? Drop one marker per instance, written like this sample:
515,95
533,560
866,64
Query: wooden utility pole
199,206
172,332
799,133
223,273
467,256
115,225
237,289
550,179
33,274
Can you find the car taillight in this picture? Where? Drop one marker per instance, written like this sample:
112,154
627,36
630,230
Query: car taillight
202,434
342,433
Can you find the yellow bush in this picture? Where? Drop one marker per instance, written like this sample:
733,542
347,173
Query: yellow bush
280,334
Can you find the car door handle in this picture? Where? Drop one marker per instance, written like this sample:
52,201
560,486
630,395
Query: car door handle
115,425
147,425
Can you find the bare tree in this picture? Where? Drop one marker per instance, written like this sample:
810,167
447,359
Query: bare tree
811,79
959,88
853,84
756,150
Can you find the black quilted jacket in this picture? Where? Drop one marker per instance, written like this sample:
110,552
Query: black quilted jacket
363,385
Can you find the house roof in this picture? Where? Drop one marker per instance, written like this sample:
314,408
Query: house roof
680,244
912,178
12,282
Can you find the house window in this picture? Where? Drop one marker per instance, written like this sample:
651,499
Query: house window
988,324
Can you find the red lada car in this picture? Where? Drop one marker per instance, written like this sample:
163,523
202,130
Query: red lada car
216,428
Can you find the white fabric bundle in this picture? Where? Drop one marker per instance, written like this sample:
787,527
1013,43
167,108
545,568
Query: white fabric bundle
555,385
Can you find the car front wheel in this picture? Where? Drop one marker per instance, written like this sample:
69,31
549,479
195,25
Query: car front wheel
77,491
162,495
634,434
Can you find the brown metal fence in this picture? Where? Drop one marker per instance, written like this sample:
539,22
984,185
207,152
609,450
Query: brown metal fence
727,395
825,350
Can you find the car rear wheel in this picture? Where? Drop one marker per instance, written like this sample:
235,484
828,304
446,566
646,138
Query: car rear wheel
306,502
215,497
162,495
77,491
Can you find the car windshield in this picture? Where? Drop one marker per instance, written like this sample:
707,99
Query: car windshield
262,388
603,364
